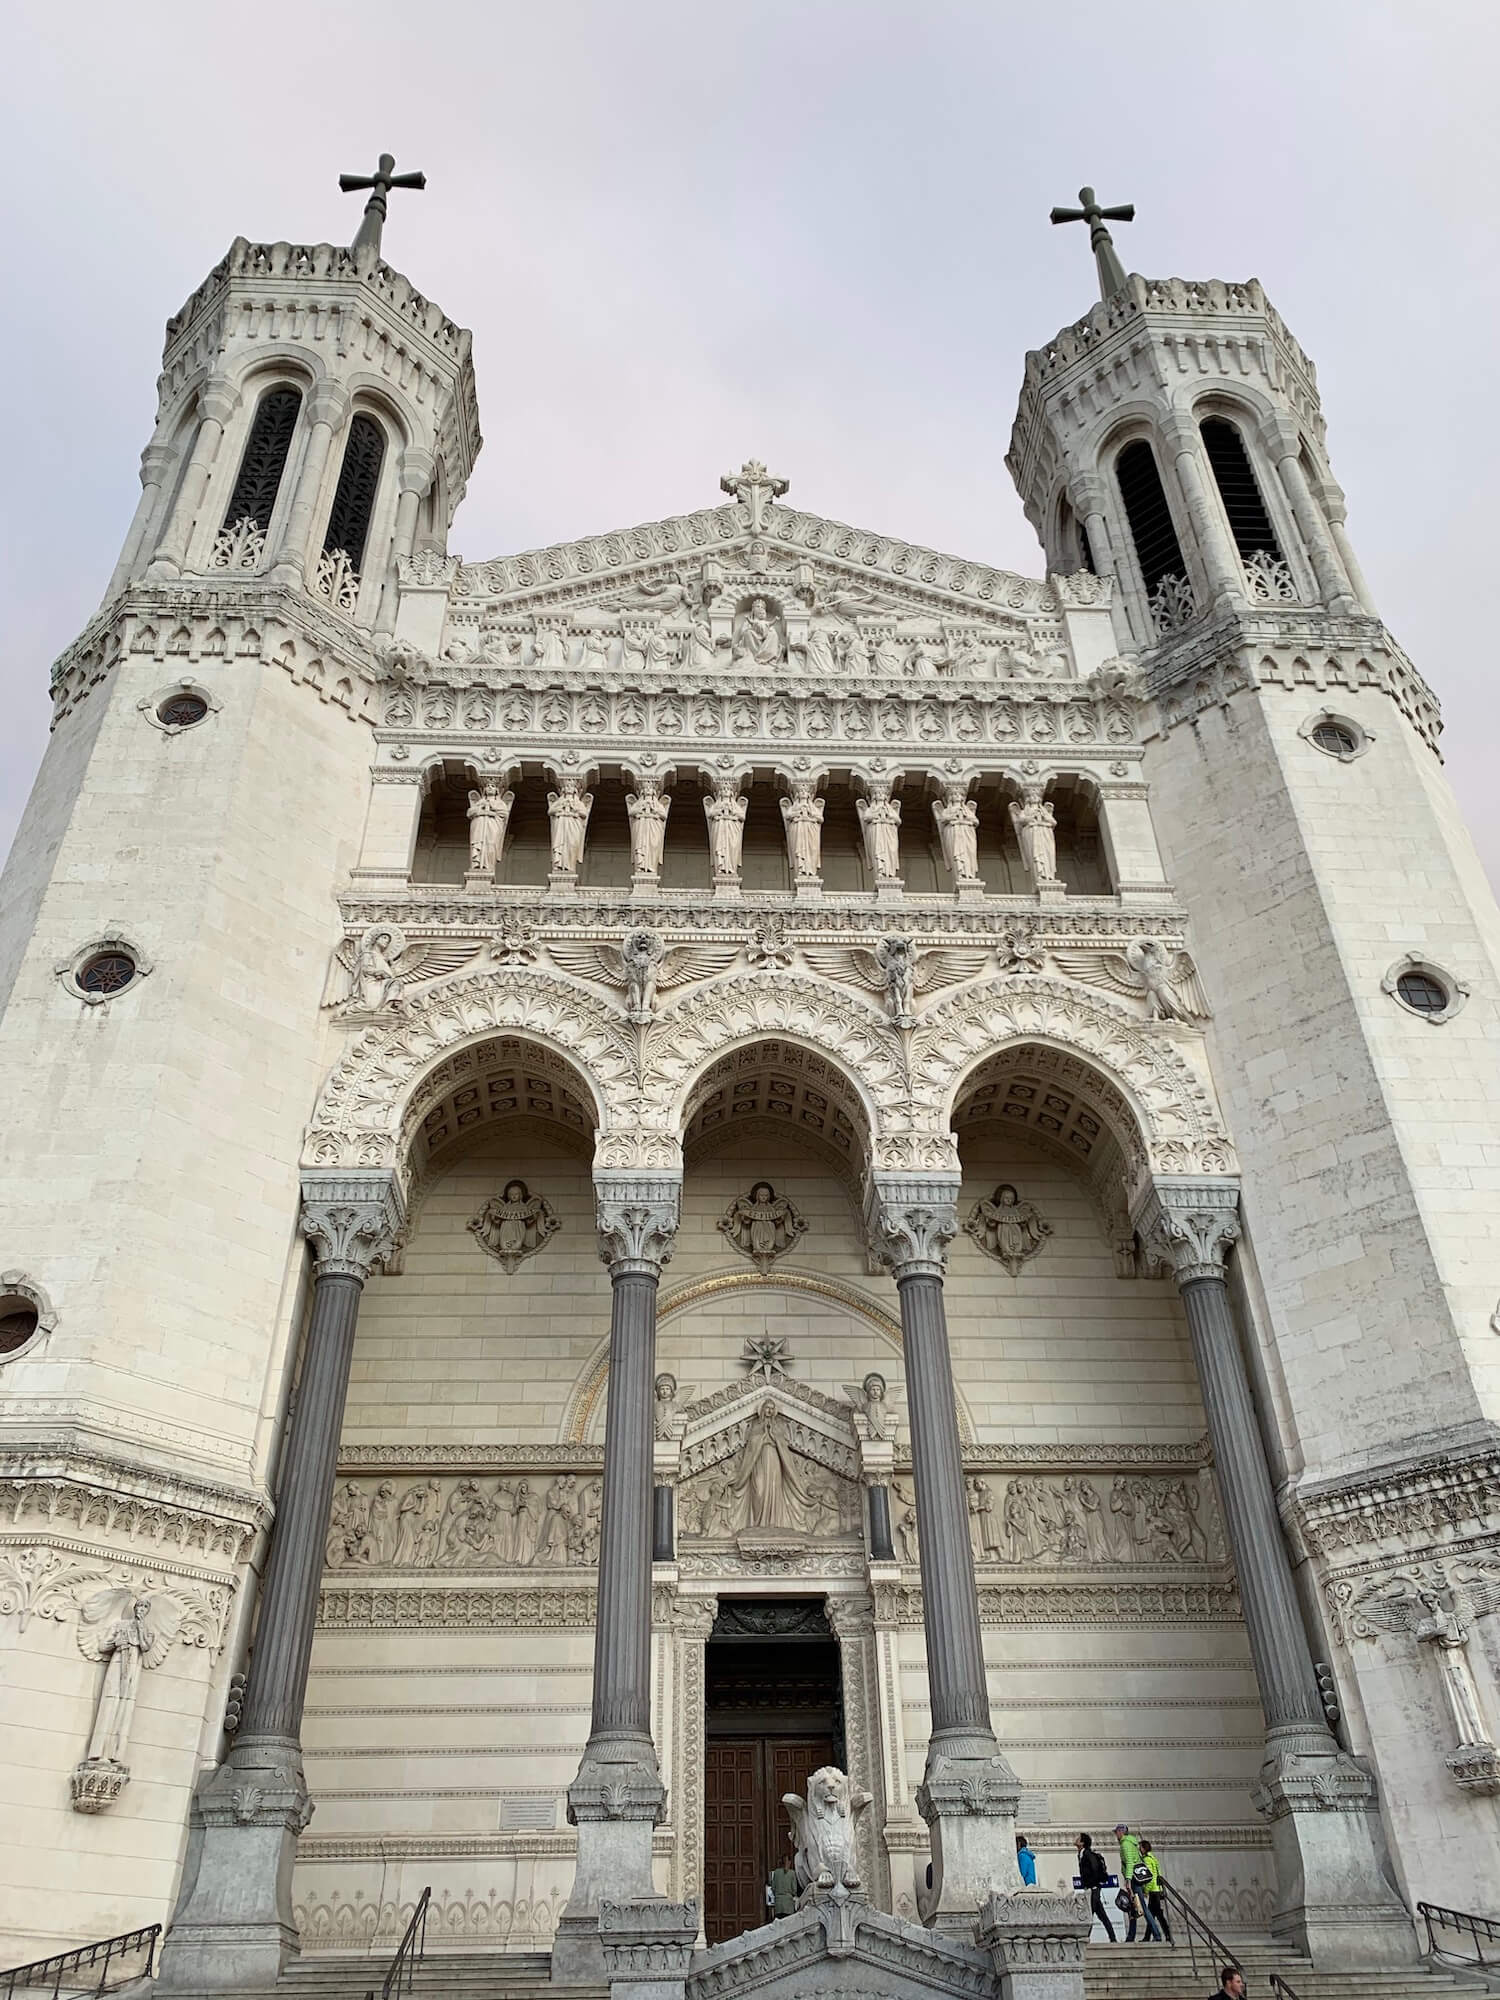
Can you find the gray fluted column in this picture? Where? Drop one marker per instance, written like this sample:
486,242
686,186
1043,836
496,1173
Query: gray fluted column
969,1793
1285,448
1334,1902
234,1924
327,408
156,463
617,1797
216,405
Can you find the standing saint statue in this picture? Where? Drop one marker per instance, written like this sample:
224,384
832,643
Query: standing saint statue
568,808
489,812
648,807
725,813
766,1480
880,821
1006,1228
802,814
130,1633
957,819
1036,829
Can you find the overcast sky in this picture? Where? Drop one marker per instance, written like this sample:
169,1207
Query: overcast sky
813,232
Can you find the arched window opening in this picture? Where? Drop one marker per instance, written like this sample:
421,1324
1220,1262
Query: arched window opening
354,498
1249,522
1157,548
266,452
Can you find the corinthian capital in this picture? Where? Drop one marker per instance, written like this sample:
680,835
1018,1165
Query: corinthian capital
351,1220
637,1219
912,1218
1190,1225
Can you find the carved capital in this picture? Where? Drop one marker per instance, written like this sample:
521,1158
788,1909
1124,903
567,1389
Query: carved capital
912,1218
352,1221
417,468
1190,1224
328,404
637,1219
218,400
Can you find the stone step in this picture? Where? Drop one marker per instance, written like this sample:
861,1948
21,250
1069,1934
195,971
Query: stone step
442,1975
1166,1972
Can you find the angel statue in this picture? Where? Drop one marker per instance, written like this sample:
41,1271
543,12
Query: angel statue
489,812
1145,970
641,964
869,1399
515,1226
1437,1610
378,966
129,1633
823,1825
762,1225
1008,1229
896,969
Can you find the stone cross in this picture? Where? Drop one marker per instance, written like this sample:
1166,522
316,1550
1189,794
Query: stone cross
756,487
380,182
1111,272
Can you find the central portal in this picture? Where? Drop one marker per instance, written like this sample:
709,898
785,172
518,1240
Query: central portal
772,1716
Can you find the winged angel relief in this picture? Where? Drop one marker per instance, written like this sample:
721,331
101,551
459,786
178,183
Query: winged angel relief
896,969
1145,970
129,1631
1438,1610
371,973
643,964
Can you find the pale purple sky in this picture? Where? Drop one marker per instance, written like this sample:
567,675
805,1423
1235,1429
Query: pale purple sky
813,232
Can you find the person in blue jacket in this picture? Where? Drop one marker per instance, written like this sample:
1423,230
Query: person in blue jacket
1026,1862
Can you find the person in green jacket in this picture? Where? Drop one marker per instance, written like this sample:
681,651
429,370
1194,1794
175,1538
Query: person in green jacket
1156,1905
1130,1860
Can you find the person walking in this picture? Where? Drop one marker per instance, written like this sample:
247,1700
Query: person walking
1093,1873
1156,1903
1130,1856
1026,1862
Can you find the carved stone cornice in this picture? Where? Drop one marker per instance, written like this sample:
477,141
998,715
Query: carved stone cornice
435,1608
1191,1225
103,1499
353,1221
911,1221
1129,1602
1433,1502
637,1218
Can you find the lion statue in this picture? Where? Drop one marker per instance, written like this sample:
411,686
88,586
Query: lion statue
823,1824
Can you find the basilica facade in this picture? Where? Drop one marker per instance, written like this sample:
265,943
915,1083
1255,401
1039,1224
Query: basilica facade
732,1148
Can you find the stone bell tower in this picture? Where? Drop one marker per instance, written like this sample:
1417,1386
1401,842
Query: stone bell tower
1174,441
164,937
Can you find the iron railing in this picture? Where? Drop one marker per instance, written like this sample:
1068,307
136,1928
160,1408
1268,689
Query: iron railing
1199,1930
1480,1931
1281,1989
42,1972
409,1953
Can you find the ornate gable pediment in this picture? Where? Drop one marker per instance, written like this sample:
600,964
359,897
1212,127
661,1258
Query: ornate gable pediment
768,1469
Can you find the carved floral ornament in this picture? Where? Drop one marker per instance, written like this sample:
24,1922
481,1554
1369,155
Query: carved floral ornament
642,1076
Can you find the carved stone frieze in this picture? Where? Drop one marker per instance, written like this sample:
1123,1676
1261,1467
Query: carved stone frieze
90,1497
446,1608
465,1523
1141,1601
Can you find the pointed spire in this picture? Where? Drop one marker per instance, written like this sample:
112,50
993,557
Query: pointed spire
384,178
1111,271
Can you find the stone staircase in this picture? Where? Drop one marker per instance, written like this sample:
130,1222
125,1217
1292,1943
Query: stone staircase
442,1975
1166,1972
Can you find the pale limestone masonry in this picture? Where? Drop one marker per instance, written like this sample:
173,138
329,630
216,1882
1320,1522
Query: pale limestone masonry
1108,886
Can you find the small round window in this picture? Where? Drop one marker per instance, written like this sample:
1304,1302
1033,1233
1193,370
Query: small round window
181,711
1335,739
1422,993
18,1322
105,973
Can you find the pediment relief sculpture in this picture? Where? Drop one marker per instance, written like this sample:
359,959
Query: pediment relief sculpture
514,1225
769,1480
762,1225
1008,1228
465,1523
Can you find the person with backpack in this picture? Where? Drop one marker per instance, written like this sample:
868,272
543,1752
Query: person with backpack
1093,1873
1141,1877
1025,1861
1155,1898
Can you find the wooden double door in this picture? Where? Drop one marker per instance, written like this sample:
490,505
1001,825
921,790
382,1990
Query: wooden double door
745,1825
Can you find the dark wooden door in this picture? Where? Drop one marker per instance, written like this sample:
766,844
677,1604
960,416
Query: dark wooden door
745,1824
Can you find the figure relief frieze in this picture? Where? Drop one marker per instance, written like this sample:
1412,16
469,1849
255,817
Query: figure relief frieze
465,1523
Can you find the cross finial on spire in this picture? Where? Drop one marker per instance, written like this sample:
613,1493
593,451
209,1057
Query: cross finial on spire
755,488
380,182
1111,271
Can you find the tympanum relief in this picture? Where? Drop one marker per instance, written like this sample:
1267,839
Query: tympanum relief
514,1225
769,1484
762,1225
1007,1227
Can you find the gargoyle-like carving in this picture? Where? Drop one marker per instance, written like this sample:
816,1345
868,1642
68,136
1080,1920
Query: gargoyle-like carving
642,965
374,970
1167,982
823,1823
762,1225
898,970
514,1225
1007,1228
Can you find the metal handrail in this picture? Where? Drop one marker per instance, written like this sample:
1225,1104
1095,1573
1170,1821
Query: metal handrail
1281,1988
1479,1929
25,1978
1198,1925
409,1953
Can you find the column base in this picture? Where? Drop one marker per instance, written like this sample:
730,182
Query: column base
1334,1901
1036,1939
479,885
969,892
968,1797
616,1802
233,1926
646,1948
